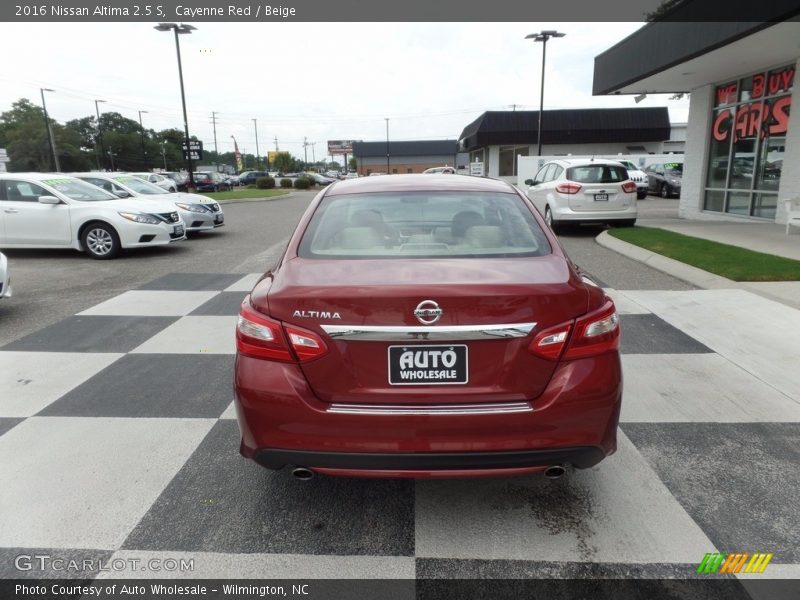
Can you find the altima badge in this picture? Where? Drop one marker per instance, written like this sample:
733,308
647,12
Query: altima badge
428,312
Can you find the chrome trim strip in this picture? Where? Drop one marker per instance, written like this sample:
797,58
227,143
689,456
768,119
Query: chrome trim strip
405,333
452,409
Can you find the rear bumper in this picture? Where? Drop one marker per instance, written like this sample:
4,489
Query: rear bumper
567,215
573,422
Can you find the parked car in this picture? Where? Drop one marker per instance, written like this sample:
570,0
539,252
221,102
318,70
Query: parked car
249,177
425,326
5,277
664,179
181,180
220,181
638,176
53,210
583,190
317,178
440,170
161,181
233,180
199,213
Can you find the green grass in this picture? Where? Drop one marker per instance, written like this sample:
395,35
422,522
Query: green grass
245,195
728,261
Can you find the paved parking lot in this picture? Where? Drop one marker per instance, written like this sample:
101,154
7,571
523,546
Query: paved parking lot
118,438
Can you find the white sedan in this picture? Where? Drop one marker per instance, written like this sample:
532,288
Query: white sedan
165,183
53,210
199,213
5,277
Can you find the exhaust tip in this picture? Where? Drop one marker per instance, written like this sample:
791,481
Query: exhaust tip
555,471
302,473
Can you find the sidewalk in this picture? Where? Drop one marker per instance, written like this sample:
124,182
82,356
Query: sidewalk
769,238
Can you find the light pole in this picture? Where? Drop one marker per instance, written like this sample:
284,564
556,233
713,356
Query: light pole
387,145
141,129
99,134
50,130
164,153
255,126
542,36
183,28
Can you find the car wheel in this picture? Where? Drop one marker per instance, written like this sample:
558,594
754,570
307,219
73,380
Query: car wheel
548,217
664,190
626,223
641,195
100,241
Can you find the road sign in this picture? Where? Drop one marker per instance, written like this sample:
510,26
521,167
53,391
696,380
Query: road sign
193,155
340,146
476,169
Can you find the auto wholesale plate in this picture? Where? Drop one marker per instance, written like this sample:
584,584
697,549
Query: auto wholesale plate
428,365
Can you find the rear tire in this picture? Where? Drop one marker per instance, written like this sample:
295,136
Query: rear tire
665,190
548,217
100,241
626,223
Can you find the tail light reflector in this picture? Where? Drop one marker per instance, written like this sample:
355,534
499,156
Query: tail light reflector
628,187
549,344
307,345
568,188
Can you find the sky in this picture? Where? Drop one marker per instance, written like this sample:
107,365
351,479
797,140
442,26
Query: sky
312,81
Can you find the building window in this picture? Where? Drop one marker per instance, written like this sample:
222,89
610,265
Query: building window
508,159
748,135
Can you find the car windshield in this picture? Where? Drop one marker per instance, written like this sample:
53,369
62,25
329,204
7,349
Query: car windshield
75,189
676,168
138,186
597,173
423,225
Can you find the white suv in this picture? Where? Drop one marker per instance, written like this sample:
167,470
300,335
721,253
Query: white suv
638,177
53,210
584,191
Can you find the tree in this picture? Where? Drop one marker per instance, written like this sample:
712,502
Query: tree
353,163
283,162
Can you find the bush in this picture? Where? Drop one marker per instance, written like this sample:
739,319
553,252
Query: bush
302,183
265,183
286,182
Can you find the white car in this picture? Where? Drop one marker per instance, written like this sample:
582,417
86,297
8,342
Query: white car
199,213
5,277
638,177
440,170
573,191
165,183
53,210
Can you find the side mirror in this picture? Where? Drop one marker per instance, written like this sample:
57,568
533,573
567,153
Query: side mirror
122,194
529,182
49,200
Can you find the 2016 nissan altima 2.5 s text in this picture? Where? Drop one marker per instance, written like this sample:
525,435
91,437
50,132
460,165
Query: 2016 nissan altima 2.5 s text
421,326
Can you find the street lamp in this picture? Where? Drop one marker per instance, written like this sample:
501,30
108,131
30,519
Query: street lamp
99,133
183,28
141,129
542,36
50,130
387,145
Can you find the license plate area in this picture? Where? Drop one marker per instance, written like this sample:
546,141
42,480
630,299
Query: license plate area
444,364
601,197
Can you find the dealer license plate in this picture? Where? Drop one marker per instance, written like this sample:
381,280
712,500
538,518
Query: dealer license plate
428,365
601,197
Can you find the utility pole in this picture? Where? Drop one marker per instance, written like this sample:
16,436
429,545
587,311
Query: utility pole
99,134
50,130
305,152
255,125
214,121
276,144
387,145
141,130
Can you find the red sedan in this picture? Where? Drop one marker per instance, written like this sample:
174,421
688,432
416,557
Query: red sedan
422,326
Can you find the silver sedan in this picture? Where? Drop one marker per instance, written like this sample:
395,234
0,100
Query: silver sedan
5,277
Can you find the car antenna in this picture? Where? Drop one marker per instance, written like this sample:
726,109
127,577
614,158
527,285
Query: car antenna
592,159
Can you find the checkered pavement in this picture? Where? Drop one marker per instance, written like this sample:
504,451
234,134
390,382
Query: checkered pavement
118,440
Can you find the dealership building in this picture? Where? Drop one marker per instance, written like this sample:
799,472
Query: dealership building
406,156
742,150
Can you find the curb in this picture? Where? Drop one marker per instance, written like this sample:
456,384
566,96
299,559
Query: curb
699,277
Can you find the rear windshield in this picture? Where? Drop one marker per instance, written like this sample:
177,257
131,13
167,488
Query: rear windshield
423,225
599,173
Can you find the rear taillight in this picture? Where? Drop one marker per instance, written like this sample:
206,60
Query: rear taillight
592,334
568,188
550,343
258,336
628,187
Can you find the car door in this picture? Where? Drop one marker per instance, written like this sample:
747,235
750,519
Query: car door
537,193
27,221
